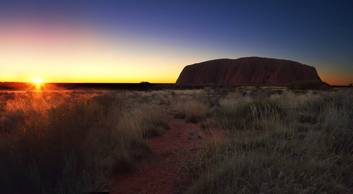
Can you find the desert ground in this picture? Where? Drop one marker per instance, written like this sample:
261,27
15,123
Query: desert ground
210,140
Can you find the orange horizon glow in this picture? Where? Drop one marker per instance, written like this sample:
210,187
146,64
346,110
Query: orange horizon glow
332,79
75,54
38,82
337,79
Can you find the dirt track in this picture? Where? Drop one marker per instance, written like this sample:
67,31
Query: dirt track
162,174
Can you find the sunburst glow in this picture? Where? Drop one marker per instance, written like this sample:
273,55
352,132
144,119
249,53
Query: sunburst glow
38,83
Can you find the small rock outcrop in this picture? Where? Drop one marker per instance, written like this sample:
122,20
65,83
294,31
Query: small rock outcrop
248,71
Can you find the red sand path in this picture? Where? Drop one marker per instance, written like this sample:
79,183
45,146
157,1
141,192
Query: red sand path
162,174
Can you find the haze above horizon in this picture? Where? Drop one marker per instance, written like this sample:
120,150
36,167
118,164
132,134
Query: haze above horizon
134,41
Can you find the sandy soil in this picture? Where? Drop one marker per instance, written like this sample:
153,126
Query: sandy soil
163,173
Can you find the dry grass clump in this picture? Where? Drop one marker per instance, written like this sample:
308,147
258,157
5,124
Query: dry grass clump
190,105
192,110
336,119
148,120
248,114
290,156
75,146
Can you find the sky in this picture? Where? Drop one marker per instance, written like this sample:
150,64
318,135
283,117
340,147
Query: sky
152,40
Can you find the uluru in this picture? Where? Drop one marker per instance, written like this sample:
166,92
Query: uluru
248,71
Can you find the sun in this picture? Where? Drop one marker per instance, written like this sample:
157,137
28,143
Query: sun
38,82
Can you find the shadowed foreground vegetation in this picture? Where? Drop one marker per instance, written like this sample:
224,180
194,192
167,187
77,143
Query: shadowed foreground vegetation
55,143
279,144
276,140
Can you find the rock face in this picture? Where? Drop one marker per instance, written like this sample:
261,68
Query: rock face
248,71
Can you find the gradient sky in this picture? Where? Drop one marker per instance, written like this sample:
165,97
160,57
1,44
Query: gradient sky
150,40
